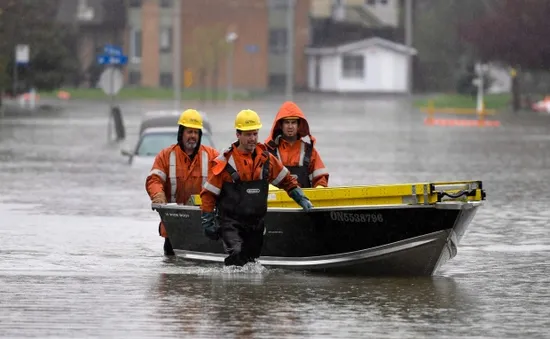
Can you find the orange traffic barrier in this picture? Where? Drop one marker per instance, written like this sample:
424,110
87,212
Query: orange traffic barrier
30,96
431,110
462,122
63,95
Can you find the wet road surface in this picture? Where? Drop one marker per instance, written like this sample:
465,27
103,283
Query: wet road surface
80,255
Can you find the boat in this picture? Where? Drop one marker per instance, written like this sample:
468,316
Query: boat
399,229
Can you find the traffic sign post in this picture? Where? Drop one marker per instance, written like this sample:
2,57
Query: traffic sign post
22,53
481,70
111,80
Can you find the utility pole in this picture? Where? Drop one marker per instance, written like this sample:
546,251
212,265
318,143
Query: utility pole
230,39
14,80
409,42
177,54
289,89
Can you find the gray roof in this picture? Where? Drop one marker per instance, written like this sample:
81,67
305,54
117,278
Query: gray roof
168,118
361,44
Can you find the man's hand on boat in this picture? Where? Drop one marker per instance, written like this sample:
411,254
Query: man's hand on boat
208,220
298,195
159,198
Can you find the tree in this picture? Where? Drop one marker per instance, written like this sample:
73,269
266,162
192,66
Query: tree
443,57
5,9
33,23
209,48
515,33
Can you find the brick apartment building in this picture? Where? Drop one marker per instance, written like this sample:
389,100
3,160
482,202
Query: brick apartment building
259,58
96,23
145,29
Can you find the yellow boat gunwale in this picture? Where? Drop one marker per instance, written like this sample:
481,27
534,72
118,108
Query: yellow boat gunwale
426,193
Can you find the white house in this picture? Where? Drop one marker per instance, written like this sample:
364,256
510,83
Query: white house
370,65
501,82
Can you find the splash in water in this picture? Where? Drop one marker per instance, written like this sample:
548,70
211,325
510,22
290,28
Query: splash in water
251,267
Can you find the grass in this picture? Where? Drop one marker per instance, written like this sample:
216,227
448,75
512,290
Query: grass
492,101
137,93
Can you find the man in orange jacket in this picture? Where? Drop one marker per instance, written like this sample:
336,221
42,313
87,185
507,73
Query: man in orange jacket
238,188
291,141
181,169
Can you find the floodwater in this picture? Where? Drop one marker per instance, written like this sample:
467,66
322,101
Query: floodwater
80,255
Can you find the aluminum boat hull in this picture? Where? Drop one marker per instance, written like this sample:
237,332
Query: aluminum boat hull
360,240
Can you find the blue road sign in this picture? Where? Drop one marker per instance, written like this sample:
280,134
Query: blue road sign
252,49
112,50
112,59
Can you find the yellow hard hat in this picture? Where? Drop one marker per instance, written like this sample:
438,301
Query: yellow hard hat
191,118
247,120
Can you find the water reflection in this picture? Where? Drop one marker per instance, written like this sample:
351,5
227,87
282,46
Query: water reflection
283,304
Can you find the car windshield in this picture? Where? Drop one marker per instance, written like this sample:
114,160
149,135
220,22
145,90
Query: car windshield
152,143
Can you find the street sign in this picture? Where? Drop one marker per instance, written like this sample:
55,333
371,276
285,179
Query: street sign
111,81
112,50
112,55
22,54
112,59
252,49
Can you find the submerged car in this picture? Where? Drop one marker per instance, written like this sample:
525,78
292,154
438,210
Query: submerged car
159,129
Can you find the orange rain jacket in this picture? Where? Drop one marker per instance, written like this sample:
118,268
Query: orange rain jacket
248,169
174,174
292,155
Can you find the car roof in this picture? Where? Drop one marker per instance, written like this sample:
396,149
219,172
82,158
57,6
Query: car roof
165,129
167,118
150,130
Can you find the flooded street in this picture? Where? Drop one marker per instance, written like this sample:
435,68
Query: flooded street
80,254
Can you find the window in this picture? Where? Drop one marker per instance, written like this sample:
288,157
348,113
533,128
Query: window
277,80
165,39
166,79
134,78
84,12
135,45
166,3
374,2
353,66
135,3
277,4
277,40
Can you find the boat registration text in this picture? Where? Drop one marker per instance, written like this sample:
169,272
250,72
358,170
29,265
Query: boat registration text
372,218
